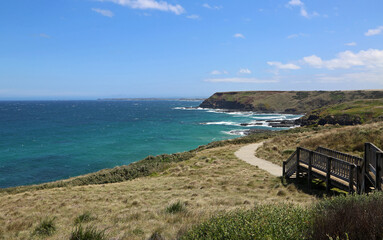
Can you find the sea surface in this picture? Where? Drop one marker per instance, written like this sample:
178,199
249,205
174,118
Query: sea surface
42,141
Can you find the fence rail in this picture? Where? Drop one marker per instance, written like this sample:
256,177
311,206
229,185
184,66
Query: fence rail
345,171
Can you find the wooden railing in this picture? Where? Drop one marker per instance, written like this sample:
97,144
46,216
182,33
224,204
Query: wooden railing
373,157
289,166
343,170
339,155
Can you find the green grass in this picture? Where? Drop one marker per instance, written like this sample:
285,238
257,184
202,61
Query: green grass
84,218
45,228
265,222
88,233
176,207
341,217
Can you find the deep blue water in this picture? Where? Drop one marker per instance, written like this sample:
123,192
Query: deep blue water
42,141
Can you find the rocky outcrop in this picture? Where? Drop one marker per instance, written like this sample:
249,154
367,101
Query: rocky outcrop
315,119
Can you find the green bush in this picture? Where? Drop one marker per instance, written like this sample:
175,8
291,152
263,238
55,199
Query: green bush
83,218
265,222
88,233
46,227
353,217
176,207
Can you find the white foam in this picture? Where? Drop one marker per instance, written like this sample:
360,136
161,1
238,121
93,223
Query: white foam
240,132
222,123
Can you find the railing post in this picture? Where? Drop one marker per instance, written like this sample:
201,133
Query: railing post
378,172
298,155
351,178
358,182
309,170
328,175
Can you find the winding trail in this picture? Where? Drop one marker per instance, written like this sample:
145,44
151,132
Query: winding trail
246,153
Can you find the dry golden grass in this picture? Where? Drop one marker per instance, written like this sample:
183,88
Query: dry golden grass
345,139
212,182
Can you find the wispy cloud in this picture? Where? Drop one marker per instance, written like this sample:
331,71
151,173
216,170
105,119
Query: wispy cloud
149,4
103,12
218,72
44,35
239,35
351,44
194,16
244,71
296,35
206,5
240,80
375,31
280,65
303,11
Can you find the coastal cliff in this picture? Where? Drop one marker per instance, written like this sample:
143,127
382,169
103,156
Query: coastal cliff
285,101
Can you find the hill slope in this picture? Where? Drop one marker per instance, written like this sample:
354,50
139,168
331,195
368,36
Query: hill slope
285,101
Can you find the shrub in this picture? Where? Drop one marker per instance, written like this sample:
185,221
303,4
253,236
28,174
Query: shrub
83,218
353,217
46,227
175,207
89,233
265,222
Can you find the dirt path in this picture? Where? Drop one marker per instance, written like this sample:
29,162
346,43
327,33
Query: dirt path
246,153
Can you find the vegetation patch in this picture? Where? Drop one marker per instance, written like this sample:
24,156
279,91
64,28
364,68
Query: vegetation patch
88,233
84,218
176,207
264,222
46,227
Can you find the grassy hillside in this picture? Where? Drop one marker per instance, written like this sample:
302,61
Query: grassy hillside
285,101
212,182
348,113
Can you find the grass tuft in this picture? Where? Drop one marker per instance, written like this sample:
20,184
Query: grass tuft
176,207
88,233
84,218
46,227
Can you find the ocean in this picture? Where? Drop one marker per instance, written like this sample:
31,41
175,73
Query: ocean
42,141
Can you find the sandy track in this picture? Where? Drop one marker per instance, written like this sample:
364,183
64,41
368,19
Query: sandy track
246,153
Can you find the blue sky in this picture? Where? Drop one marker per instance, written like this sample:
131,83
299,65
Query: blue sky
88,49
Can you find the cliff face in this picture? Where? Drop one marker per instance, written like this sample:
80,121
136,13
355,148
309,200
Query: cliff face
348,113
284,101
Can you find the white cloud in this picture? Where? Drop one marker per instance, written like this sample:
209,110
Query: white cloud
244,71
193,16
303,11
351,44
240,80
239,35
205,5
375,31
280,65
103,12
374,76
149,4
217,72
295,3
371,58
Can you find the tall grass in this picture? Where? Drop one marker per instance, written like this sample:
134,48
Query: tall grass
88,233
284,222
46,227
356,217
353,217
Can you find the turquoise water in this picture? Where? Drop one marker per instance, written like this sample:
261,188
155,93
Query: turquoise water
51,140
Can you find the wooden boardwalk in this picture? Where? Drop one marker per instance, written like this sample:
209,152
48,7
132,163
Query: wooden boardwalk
337,169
